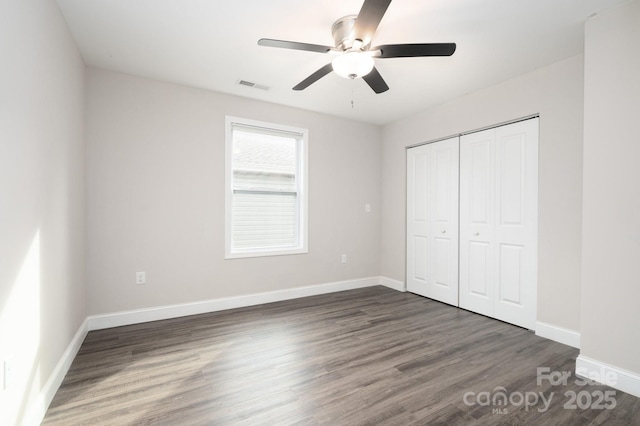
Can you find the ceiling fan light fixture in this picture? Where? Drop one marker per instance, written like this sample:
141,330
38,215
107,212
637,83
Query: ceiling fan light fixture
352,64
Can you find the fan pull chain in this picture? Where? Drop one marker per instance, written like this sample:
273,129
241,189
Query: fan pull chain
352,82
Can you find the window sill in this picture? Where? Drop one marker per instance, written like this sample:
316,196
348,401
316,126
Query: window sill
243,255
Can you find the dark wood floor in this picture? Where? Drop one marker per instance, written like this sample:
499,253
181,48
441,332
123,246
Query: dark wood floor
364,357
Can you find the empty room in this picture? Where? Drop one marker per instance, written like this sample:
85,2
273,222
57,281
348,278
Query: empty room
355,212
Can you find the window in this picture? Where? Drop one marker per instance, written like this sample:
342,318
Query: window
266,189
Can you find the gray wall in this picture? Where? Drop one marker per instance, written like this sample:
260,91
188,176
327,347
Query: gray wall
611,231
42,288
155,199
556,93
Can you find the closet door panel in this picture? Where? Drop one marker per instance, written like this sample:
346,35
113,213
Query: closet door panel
477,188
420,255
511,167
442,261
510,283
517,220
478,269
418,165
444,221
432,220
476,169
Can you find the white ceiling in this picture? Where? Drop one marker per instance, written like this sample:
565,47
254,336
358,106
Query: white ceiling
212,44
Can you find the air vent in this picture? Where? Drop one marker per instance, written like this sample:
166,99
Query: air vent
252,84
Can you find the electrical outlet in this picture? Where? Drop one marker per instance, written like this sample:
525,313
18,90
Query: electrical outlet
367,208
344,258
141,277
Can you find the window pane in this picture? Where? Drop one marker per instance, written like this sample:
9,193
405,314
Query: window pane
257,152
283,182
264,220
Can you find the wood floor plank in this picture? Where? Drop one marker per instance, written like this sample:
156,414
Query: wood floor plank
370,356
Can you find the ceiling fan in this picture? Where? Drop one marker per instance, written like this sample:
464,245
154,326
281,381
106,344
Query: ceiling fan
352,35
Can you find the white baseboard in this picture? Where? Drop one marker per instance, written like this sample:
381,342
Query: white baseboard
609,375
39,408
393,284
117,319
558,334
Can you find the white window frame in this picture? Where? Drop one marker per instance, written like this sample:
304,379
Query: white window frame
302,188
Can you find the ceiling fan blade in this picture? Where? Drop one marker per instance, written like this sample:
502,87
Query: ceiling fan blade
314,77
415,50
368,19
375,81
294,45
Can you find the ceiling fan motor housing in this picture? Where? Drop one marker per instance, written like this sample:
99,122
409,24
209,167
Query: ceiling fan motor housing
342,32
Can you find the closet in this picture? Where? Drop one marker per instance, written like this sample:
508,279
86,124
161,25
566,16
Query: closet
472,204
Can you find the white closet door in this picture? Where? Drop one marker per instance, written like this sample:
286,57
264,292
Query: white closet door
498,222
432,220
517,223
418,195
477,188
443,262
